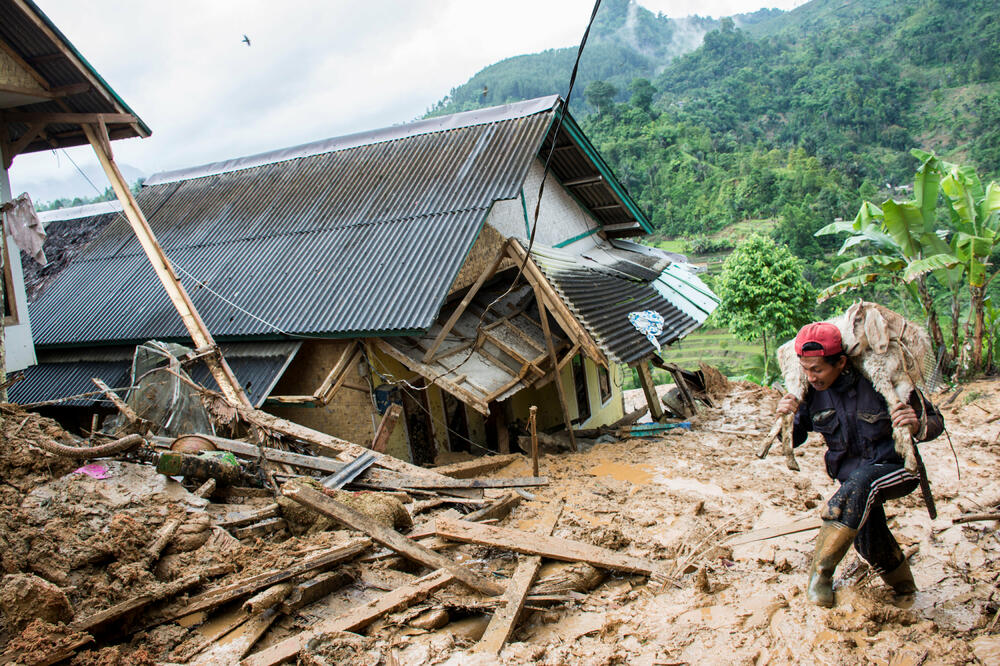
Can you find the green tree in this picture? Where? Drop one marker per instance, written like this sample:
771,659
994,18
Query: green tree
642,94
763,294
600,95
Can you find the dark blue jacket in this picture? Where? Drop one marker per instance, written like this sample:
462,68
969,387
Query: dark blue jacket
854,420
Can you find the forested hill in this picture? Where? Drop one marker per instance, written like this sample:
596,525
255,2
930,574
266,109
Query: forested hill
626,42
793,116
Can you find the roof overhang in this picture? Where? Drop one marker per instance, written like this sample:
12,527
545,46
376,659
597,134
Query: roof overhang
48,88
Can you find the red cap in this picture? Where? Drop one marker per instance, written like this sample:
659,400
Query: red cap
825,335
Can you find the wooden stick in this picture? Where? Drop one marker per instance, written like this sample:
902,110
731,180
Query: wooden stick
100,621
353,619
799,525
496,511
547,332
504,620
206,489
126,411
555,548
387,537
268,526
377,478
163,537
269,511
975,517
267,598
246,635
532,412
220,595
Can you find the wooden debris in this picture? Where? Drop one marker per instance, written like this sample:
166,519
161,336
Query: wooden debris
244,637
555,548
626,420
534,440
353,619
387,537
268,598
504,620
100,621
375,478
314,589
206,489
799,525
227,492
269,526
269,511
226,593
482,465
975,517
127,412
385,428
498,510
163,537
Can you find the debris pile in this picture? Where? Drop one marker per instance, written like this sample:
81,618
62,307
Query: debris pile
678,547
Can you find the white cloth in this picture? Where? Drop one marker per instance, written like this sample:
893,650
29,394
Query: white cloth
23,224
649,323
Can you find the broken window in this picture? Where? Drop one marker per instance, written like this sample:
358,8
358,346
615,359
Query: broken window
582,394
604,383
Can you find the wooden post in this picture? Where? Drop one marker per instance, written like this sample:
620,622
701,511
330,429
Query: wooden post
534,440
653,400
221,371
385,428
544,316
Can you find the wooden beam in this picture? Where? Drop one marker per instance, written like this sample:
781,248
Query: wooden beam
381,479
385,428
247,586
326,388
504,619
221,371
434,377
353,619
583,180
496,511
800,525
29,67
470,468
649,389
252,452
469,295
69,118
14,149
543,315
244,638
389,538
554,548
101,621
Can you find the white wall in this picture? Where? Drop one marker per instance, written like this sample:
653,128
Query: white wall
19,349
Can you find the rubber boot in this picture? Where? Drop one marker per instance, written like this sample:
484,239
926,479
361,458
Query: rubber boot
832,543
900,579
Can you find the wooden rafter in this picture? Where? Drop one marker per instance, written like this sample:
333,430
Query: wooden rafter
469,295
68,118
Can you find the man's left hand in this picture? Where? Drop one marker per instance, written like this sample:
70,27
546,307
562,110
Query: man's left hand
903,416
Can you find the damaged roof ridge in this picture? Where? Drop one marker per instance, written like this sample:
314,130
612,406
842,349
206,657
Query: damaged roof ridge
434,125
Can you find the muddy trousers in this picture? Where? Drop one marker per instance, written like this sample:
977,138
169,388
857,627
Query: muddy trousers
858,504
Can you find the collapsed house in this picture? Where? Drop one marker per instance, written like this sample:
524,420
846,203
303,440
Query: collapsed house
349,274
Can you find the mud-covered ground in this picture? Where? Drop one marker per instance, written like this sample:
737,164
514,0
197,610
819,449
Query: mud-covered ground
676,500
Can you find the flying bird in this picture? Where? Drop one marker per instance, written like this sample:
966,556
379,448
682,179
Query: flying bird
246,40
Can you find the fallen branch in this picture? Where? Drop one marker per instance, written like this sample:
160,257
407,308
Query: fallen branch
975,517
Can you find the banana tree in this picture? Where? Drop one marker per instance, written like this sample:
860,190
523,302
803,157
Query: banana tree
975,217
900,234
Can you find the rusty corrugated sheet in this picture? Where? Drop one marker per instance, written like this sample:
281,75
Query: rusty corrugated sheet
362,240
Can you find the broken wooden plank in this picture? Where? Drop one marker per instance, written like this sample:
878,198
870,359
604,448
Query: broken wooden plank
226,593
800,525
126,411
390,538
253,452
269,526
235,644
314,589
554,548
353,619
377,478
269,511
99,622
163,537
267,598
498,510
482,465
206,489
385,428
504,620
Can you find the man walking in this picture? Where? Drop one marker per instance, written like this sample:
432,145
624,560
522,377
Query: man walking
857,426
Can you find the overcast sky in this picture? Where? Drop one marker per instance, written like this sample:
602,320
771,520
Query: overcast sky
313,70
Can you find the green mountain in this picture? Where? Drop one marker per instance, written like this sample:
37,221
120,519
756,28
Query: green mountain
626,42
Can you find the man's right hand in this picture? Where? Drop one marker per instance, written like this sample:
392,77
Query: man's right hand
788,404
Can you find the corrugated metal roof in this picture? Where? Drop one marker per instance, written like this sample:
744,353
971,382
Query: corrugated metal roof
363,240
36,40
604,284
257,366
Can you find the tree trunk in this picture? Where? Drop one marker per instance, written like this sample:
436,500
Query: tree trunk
763,379
979,310
933,325
956,312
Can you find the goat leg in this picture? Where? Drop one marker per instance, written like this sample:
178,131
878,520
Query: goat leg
786,443
769,438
